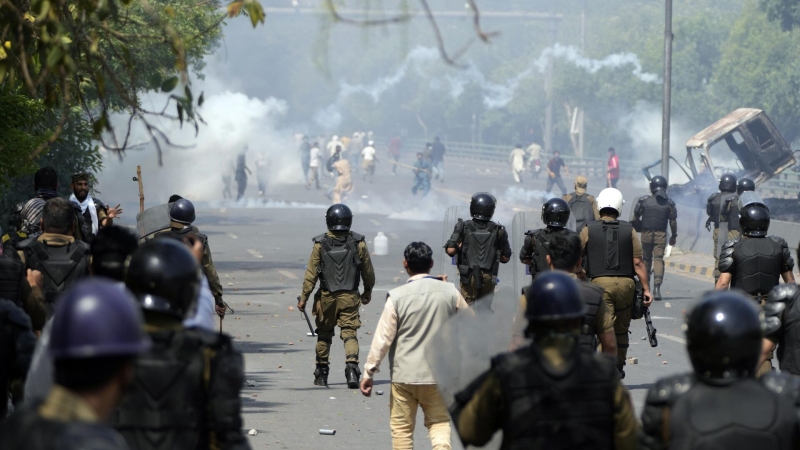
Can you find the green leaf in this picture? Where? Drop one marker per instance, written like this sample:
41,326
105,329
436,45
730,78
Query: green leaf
199,100
180,113
169,84
54,56
255,11
155,80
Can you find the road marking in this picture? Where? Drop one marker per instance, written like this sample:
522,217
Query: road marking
375,222
394,236
288,274
256,254
232,236
673,338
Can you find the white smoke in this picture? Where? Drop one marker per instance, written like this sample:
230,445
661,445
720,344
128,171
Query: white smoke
574,56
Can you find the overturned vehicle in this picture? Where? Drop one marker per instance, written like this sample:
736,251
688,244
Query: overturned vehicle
745,143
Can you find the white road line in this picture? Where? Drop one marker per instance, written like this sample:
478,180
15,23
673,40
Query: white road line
374,222
255,253
288,274
673,338
232,236
394,236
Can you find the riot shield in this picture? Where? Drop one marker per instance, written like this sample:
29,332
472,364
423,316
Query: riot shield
522,222
749,198
152,220
722,230
447,264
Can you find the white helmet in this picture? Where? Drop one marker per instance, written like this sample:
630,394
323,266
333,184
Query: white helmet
335,138
371,143
610,198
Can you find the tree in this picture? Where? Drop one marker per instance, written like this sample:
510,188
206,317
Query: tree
786,12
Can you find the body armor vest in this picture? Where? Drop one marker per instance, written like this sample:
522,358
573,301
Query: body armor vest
479,247
733,214
571,410
339,262
789,341
715,203
539,239
592,298
26,429
757,265
11,275
747,416
609,251
61,266
190,231
165,407
580,207
655,215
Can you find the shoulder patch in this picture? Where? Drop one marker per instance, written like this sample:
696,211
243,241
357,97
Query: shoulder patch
667,390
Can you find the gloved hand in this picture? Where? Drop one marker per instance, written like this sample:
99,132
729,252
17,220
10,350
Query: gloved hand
708,224
366,298
673,240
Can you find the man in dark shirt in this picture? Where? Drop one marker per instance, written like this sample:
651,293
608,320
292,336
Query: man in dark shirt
554,173
437,159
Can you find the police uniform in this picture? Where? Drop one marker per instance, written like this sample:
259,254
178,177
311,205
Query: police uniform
713,209
783,318
729,214
582,205
655,212
756,263
338,259
17,342
481,244
534,248
10,241
612,269
207,262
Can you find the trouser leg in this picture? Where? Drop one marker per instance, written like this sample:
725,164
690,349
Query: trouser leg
437,419
621,292
647,256
560,182
715,236
402,416
349,321
325,320
550,182
485,294
515,172
658,260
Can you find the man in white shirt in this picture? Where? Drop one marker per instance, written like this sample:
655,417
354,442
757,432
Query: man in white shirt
411,317
517,159
334,142
313,166
368,161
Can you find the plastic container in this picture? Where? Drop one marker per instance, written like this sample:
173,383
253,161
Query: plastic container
381,244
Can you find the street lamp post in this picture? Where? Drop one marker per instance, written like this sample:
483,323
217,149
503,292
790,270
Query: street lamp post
667,109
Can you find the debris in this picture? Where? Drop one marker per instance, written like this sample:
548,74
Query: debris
252,383
369,332
246,303
291,343
658,354
252,432
644,338
667,305
230,284
632,360
327,432
396,279
664,363
291,308
333,398
283,292
379,392
280,367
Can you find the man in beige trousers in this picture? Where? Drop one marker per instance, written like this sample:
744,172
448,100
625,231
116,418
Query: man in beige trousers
412,316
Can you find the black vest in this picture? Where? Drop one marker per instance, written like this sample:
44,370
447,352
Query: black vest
789,340
11,276
581,209
757,265
714,206
26,430
572,410
479,247
166,406
733,213
592,297
538,241
609,251
339,262
749,414
655,213
61,267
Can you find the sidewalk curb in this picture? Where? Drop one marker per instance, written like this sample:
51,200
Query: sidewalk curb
689,268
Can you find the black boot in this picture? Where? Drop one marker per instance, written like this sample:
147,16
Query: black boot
657,293
321,375
621,371
352,374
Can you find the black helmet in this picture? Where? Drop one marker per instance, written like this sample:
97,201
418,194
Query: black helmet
339,217
754,220
727,183
658,182
165,277
744,185
482,205
555,213
182,211
15,217
723,336
554,296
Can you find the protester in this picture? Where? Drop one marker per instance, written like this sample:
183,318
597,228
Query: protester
612,174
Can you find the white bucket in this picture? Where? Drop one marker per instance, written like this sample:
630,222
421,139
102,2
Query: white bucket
381,244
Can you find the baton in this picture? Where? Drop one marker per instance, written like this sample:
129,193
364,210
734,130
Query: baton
303,313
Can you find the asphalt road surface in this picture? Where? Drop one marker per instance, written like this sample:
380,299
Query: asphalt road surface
261,246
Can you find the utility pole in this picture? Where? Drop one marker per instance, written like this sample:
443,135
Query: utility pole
581,127
667,111
548,114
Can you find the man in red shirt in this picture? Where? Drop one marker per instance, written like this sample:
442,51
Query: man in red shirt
613,168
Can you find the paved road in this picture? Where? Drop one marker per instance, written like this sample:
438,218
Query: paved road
261,249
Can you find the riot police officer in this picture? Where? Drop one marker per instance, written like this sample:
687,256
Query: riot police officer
96,334
537,394
186,393
181,217
613,256
17,342
722,404
555,215
480,246
14,233
650,216
583,206
782,311
730,209
727,189
338,260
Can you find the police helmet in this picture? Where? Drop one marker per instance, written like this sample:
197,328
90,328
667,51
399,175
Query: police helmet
339,217
482,205
97,318
727,183
744,185
754,220
15,217
555,213
723,336
165,277
610,198
182,211
553,296
658,182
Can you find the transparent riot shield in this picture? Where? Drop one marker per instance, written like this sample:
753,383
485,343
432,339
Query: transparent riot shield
447,264
749,198
522,222
152,220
